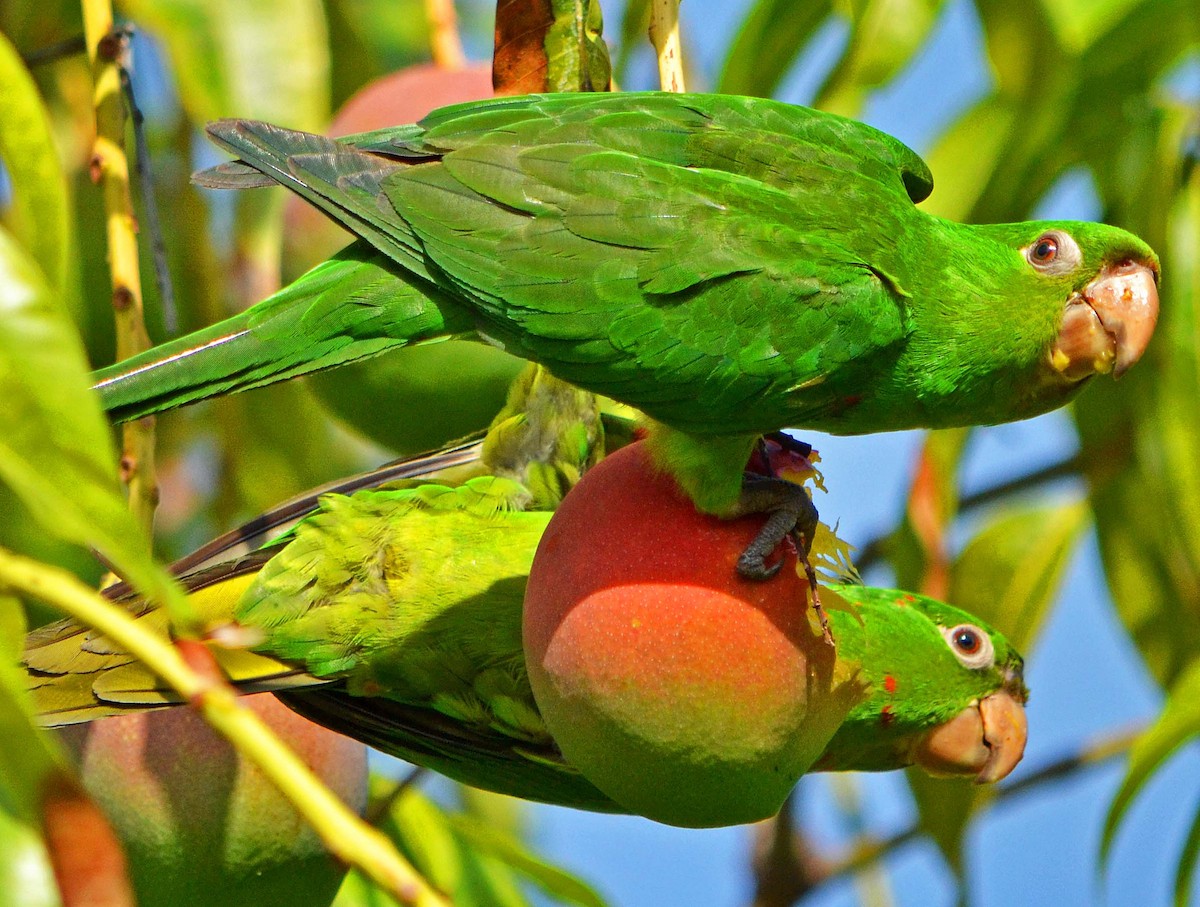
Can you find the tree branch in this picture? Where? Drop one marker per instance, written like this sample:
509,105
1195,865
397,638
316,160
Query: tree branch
664,35
109,168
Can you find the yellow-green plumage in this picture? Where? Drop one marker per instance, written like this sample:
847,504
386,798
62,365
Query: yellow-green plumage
395,616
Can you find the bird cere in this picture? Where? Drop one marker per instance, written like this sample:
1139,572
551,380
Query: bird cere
728,266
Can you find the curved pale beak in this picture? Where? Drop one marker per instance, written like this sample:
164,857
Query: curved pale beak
1106,327
986,740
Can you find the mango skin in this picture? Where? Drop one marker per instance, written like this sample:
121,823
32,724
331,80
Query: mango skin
202,827
687,694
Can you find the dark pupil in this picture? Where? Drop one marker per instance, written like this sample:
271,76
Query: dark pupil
967,641
1045,249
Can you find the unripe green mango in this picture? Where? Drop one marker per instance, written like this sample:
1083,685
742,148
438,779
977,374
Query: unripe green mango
199,824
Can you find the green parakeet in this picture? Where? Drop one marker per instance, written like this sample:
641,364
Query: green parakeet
730,266
394,616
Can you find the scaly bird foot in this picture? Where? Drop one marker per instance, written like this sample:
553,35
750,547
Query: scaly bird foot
790,512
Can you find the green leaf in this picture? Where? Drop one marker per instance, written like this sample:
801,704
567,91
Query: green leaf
26,877
1008,574
371,38
1178,723
472,861
38,215
884,36
555,882
945,807
1141,437
1077,23
1185,873
635,25
29,754
267,59
918,548
1066,98
55,449
966,155
771,37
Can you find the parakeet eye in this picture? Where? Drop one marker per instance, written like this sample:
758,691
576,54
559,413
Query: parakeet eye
970,645
1054,252
1044,251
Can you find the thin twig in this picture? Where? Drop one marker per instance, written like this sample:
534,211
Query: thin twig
110,169
189,670
380,808
664,35
52,53
444,40
145,178
872,551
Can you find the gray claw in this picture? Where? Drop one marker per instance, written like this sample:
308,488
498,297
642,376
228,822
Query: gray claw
753,566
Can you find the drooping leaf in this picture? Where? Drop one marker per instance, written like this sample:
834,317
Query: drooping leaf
56,453
370,38
25,873
38,214
918,549
771,37
29,755
1076,23
1185,873
553,881
635,25
1008,574
1067,99
945,806
1178,723
268,59
475,863
884,36
1141,438
966,154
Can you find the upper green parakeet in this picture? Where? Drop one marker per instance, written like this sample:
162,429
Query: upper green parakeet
395,616
730,266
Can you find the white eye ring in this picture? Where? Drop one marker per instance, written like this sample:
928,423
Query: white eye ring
1054,252
971,645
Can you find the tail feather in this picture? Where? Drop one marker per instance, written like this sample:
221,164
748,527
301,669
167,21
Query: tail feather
76,675
356,305
336,177
232,175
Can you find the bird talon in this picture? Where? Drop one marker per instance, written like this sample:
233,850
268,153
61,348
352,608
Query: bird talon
754,567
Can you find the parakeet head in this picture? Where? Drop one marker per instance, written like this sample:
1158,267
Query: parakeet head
947,692
1104,283
1110,278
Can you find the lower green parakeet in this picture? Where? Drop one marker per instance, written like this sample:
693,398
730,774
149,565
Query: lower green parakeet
729,266
394,616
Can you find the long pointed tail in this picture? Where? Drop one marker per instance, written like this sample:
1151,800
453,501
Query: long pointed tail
353,306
